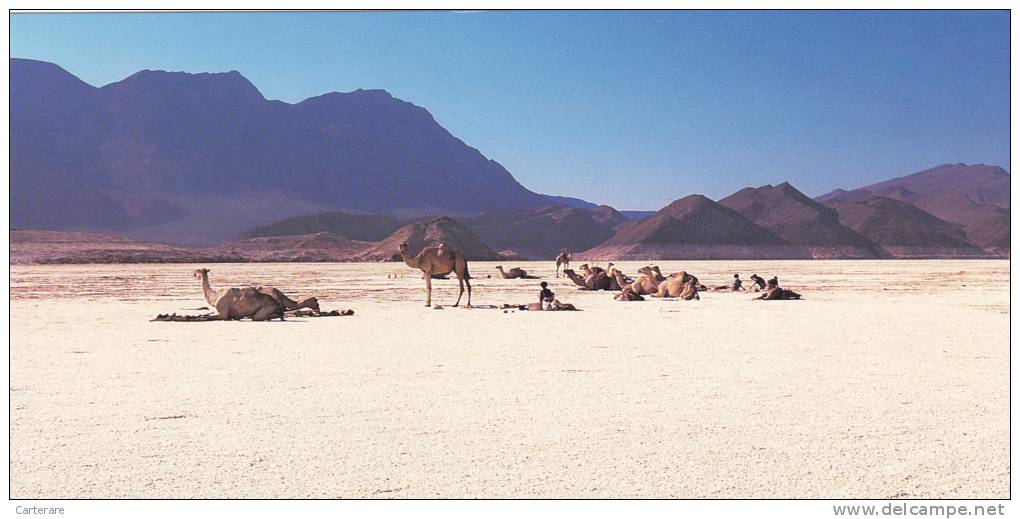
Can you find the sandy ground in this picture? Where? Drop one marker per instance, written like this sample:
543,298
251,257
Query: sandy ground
890,380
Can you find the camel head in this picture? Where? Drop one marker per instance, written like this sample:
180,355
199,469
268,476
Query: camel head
499,268
200,272
403,247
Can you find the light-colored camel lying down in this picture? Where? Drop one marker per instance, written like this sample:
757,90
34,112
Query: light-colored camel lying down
238,303
515,273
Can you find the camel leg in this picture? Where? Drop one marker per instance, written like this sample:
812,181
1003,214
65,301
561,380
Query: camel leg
467,280
460,280
428,290
264,314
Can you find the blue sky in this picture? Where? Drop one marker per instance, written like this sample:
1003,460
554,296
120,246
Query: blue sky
633,109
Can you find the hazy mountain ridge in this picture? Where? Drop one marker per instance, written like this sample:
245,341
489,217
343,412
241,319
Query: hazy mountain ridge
144,151
197,158
976,197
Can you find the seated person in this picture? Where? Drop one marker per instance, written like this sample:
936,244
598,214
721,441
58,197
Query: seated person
736,286
759,283
774,293
546,297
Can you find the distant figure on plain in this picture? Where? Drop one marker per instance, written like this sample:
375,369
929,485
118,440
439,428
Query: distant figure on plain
562,260
774,293
736,286
759,283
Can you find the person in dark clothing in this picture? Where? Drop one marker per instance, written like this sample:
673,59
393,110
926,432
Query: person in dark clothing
759,283
736,286
546,297
737,283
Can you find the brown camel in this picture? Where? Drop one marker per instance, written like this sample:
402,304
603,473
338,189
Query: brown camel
564,260
596,279
659,278
611,270
620,279
647,283
578,280
238,303
681,284
774,293
438,260
778,294
690,291
515,273
288,303
628,294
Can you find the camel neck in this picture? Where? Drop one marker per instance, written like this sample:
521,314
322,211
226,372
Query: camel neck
210,295
413,262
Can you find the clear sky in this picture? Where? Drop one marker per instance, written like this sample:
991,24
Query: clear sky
633,109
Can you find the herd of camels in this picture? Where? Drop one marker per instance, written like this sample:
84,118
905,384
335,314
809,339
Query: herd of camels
438,261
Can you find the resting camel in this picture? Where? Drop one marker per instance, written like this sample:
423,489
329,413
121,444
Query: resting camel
778,294
628,294
438,260
681,285
288,303
774,293
515,273
647,283
656,273
597,279
238,303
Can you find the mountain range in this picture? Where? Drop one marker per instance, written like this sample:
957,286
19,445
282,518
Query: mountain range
160,155
205,162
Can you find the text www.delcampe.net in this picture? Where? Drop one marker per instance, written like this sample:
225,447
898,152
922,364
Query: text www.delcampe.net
910,510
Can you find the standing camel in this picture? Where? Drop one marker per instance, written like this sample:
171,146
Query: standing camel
238,303
564,260
438,260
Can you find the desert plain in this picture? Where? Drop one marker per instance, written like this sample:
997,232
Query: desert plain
889,380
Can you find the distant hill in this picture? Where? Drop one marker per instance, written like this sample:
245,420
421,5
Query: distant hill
518,233
904,230
47,247
637,215
318,246
981,183
569,201
361,227
430,231
160,155
543,233
799,220
975,197
692,227
986,225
